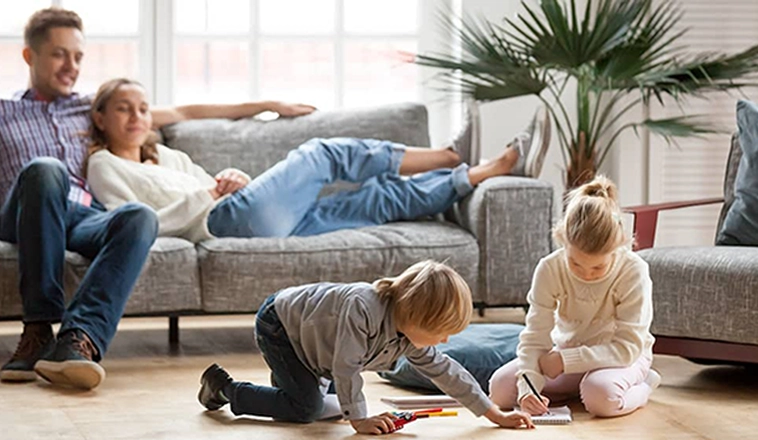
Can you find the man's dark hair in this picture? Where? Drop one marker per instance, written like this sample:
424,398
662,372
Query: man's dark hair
40,23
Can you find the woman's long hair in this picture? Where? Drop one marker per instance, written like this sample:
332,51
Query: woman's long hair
98,138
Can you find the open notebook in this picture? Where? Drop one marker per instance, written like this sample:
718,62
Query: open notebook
559,415
414,402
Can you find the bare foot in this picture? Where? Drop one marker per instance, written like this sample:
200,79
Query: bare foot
507,160
500,166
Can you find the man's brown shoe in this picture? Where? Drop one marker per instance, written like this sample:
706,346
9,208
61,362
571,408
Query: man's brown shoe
36,340
71,362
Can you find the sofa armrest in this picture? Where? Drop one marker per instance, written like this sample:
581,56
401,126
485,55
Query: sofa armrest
646,218
511,218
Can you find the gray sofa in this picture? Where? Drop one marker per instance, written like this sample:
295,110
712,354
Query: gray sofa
494,237
704,298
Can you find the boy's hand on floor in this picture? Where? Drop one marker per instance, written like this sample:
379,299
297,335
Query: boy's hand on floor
510,419
381,424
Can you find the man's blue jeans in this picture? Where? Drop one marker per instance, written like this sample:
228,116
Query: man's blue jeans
284,200
298,396
40,219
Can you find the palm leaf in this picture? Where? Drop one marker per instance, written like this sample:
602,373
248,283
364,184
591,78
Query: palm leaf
490,68
701,74
648,42
680,126
667,128
555,37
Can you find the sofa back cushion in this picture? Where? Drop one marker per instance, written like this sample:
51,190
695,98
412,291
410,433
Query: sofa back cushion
732,165
740,224
254,146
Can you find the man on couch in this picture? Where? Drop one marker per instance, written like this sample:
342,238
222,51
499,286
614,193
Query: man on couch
45,209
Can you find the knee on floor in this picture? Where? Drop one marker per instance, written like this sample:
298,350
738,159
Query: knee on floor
600,398
503,391
305,413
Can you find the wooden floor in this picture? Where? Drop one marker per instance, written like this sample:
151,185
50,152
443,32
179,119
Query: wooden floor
150,393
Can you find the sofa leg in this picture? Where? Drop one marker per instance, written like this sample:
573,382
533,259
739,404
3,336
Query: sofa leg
480,311
173,331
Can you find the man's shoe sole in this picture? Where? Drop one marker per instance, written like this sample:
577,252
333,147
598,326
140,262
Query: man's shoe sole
85,375
18,376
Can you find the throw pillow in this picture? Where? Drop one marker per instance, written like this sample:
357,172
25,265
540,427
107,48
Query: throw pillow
481,349
740,227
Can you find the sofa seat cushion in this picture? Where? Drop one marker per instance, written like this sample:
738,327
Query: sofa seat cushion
169,282
706,293
237,274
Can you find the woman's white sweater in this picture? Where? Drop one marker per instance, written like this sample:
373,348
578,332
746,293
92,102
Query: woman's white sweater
176,188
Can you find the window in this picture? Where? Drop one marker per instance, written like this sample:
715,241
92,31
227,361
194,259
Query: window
331,53
14,73
113,46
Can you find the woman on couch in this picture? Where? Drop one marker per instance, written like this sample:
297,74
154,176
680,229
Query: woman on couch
398,182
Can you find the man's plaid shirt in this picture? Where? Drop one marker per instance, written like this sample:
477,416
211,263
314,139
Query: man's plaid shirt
30,128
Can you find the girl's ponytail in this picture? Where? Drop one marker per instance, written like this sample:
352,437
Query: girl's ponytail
592,221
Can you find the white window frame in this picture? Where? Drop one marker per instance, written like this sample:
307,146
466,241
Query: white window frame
339,37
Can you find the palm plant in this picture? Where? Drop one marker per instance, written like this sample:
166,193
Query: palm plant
621,54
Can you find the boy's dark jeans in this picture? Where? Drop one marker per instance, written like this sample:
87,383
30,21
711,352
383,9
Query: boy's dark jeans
297,397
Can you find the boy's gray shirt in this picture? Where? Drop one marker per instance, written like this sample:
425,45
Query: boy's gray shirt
340,330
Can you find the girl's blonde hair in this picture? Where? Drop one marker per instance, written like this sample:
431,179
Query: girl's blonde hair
99,141
592,221
430,296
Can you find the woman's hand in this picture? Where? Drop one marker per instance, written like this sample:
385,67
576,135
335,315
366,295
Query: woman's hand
288,110
511,419
214,194
230,180
534,406
551,364
382,424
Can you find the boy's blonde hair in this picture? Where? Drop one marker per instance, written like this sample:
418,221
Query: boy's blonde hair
592,221
430,296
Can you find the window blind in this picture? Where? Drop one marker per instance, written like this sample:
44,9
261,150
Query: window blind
694,167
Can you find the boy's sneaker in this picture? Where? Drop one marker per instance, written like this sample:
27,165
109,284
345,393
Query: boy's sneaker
71,362
653,379
212,384
532,145
467,143
36,340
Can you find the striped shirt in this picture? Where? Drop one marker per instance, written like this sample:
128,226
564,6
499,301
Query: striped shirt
30,128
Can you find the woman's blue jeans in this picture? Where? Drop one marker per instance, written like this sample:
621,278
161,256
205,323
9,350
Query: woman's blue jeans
284,200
